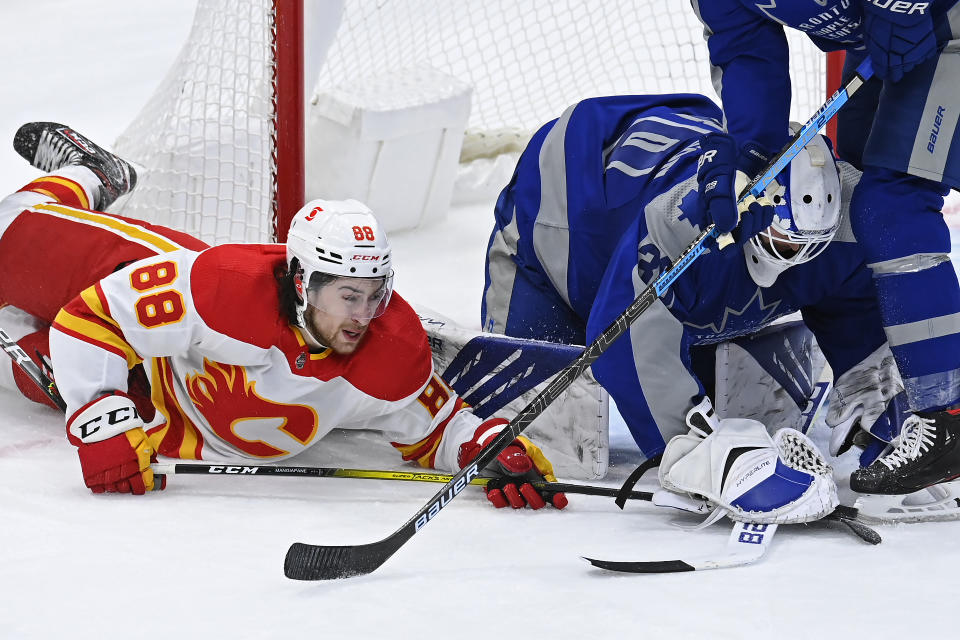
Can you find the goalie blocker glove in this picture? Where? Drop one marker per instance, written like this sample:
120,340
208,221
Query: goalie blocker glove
518,465
115,454
746,474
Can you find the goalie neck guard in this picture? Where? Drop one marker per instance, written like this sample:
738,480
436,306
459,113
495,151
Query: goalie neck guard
339,241
807,214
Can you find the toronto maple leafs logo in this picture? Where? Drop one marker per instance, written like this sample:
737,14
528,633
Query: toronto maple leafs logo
689,206
756,313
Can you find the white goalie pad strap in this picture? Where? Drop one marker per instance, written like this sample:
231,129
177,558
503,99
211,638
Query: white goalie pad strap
702,419
104,418
683,502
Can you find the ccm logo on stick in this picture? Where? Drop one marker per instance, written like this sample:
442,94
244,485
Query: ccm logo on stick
242,470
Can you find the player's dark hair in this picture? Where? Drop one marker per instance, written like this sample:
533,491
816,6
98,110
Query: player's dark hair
286,294
286,290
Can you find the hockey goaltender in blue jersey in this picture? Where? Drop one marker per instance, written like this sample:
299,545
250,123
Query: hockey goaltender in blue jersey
602,201
900,129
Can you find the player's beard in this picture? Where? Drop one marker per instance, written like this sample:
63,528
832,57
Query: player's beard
342,335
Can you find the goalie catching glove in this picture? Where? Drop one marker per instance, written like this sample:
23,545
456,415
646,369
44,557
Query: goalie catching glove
115,453
747,475
518,465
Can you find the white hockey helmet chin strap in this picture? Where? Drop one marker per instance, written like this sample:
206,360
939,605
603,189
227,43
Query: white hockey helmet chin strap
342,260
807,215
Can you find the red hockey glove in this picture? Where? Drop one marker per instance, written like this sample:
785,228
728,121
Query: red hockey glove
517,466
115,454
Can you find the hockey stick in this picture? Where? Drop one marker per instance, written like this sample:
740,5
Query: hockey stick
21,359
747,544
28,366
324,562
192,468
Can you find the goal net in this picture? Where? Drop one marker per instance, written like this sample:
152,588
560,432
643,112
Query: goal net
221,140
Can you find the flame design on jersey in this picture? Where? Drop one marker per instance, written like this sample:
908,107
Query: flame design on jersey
226,399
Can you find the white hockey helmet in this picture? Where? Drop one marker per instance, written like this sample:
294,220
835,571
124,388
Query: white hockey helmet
807,214
333,239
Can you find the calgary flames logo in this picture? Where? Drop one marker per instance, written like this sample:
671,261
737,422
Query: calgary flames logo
227,400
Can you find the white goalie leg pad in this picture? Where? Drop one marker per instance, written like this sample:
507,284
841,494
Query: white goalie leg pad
752,477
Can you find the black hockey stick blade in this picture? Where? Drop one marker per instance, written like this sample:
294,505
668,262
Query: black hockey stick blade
847,516
654,566
747,544
313,562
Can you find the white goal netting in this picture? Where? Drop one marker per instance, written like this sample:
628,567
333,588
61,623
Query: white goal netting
207,138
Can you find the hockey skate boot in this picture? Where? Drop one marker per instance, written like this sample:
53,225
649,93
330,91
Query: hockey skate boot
927,452
48,146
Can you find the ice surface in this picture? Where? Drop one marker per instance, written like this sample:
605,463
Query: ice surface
204,558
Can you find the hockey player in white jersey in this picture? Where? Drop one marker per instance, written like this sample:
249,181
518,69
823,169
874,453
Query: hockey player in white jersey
603,199
244,351
901,130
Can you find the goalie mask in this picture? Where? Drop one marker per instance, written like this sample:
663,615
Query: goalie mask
340,261
807,214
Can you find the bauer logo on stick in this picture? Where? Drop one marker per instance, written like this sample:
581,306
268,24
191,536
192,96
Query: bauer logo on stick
11,347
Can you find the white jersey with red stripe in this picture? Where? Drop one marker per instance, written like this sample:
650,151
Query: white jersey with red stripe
232,379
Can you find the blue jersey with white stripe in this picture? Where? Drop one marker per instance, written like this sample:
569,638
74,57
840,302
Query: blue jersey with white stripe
904,135
602,201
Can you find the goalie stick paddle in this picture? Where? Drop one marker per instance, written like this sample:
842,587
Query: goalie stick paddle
747,544
324,562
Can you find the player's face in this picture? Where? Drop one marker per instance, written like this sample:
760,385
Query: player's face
339,313
778,245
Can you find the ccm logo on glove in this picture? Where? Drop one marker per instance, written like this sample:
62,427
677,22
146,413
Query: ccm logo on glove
104,418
